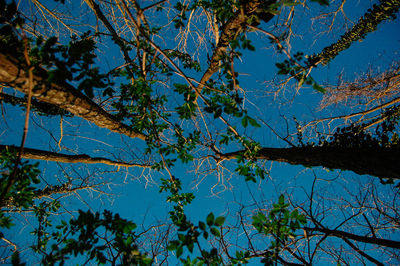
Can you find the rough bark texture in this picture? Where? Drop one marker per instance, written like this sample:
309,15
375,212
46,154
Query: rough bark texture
66,158
380,162
368,23
65,97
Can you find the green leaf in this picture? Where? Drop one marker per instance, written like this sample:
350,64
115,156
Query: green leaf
210,219
219,221
250,178
245,121
172,245
51,41
281,199
215,231
15,259
302,219
147,261
253,122
179,251
322,2
190,246
202,226
290,3
318,88
218,113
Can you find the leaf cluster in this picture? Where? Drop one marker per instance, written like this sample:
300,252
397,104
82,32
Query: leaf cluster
22,191
385,134
70,63
281,224
81,236
189,233
10,21
294,68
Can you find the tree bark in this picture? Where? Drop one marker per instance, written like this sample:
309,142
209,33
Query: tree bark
380,162
66,158
65,97
364,239
386,9
229,32
41,107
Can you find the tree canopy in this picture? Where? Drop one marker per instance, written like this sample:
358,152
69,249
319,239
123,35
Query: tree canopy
199,132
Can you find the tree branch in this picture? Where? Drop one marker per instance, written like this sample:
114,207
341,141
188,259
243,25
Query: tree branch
362,253
366,24
66,158
364,239
65,97
41,107
230,30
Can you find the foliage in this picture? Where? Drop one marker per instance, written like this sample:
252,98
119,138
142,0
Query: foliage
21,193
281,224
82,236
387,9
188,233
9,21
294,68
356,136
135,93
78,236
70,63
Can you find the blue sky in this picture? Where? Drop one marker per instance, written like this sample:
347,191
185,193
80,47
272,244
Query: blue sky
134,193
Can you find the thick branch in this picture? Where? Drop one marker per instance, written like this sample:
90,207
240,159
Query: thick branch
48,191
362,253
230,31
41,107
366,24
65,97
380,162
364,239
66,158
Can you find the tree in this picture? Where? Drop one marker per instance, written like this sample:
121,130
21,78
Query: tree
177,101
